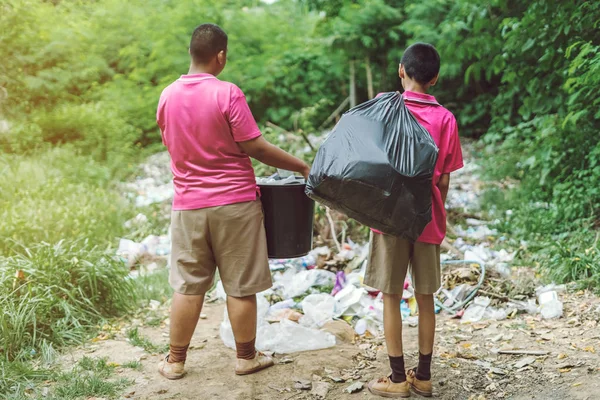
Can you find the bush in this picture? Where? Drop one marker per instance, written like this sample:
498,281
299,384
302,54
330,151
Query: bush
58,195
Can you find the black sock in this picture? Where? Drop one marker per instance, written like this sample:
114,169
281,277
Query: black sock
398,372
424,368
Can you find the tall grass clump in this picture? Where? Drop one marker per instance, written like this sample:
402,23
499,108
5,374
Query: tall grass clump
58,293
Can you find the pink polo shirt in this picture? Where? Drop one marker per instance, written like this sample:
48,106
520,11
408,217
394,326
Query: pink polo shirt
201,120
441,124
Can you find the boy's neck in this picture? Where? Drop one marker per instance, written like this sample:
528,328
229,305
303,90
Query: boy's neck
200,69
415,87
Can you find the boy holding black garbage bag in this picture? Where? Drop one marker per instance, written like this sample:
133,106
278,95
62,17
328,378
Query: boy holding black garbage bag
392,173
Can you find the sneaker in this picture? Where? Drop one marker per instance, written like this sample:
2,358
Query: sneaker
171,370
423,388
258,363
384,387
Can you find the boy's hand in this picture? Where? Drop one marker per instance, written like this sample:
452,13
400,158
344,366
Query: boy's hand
306,171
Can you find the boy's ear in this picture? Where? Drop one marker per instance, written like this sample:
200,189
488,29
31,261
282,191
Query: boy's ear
401,72
434,80
222,57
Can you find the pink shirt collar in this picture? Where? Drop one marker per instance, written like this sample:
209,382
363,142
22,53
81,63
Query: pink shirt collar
196,77
420,97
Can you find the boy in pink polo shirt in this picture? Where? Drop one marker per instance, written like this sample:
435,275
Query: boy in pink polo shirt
217,219
391,256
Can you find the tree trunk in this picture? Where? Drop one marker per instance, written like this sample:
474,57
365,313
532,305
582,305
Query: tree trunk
369,78
352,84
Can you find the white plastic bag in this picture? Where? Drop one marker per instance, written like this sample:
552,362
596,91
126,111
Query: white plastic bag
476,310
550,306
283,337
318,309
297,283
348,300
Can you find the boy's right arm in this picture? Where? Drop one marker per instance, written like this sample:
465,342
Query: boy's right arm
265,152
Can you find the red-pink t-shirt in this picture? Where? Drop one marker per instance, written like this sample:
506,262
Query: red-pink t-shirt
441,124
201,120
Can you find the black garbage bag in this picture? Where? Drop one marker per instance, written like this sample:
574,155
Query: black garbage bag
376,166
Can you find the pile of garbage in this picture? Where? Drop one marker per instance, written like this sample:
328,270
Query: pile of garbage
311,292
325,288
154,183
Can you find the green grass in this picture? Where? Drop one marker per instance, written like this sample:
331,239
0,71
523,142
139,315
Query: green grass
58,195
90,377
60,220
154,286
564,250
64,291
137,339
136,365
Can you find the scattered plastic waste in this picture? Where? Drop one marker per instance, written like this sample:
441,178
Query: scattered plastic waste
478,232
318,309
138,220
150,192
503,269
277,315
284,173
308,261
497,314
277,180
549,288
283,337
348,301
476,310
340,282
550,305
294,284
289,303
404,310
152,246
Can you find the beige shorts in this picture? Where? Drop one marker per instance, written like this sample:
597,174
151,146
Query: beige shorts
389,259
231,238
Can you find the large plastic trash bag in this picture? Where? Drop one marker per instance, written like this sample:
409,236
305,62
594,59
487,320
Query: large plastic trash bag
376,166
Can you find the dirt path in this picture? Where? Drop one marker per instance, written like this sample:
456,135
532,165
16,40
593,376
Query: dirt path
468,363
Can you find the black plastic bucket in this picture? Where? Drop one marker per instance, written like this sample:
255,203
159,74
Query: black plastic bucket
289,216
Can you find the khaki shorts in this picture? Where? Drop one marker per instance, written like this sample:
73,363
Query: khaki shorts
389,259
231,238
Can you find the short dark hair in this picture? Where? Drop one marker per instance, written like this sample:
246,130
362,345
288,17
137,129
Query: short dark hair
207,41
421,62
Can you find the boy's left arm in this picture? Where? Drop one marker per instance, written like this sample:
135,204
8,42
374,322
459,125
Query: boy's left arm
444,185
454,158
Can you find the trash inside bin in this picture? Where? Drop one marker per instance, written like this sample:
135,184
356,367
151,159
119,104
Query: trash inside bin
289,216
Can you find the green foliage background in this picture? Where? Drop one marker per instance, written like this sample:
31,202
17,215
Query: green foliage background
79,83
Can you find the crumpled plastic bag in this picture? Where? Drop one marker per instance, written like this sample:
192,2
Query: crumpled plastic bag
377,166
283,337
295,283
476,310
318,309
348,300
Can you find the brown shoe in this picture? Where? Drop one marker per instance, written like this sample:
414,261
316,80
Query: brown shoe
171,370
384,387
423,388
258,363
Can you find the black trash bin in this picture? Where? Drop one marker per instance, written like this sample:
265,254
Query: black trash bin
289,216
